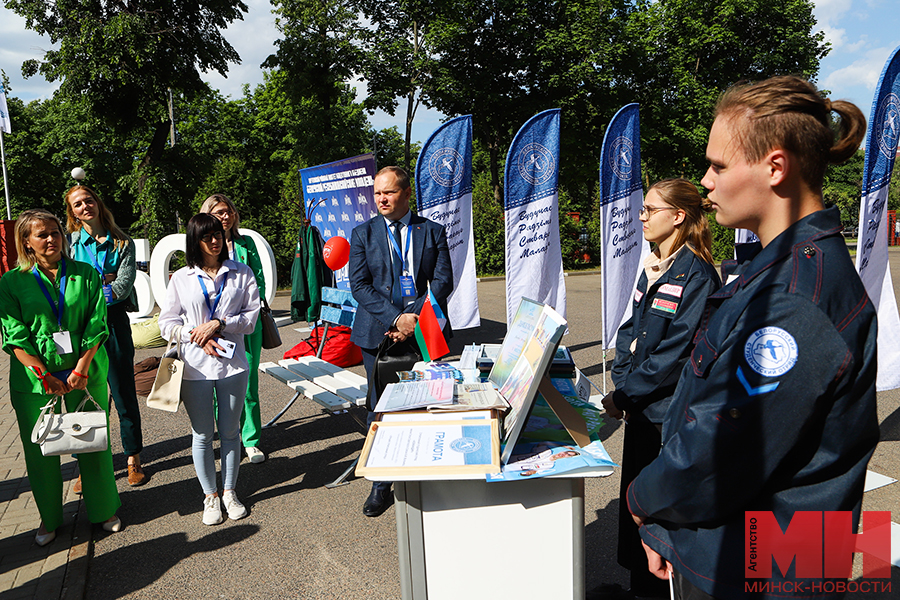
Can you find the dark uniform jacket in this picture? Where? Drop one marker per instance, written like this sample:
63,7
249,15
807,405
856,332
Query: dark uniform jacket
663,320
775,411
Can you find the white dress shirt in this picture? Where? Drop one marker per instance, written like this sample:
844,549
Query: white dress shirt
185,305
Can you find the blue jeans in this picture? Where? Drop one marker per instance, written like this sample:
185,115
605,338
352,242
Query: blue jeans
197,396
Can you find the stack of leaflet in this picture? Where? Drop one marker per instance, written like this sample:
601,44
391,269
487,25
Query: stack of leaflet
432,370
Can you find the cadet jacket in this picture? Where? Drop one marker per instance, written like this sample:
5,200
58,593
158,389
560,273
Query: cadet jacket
775,411
664,320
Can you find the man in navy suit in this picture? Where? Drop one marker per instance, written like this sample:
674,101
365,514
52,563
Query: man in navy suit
393,258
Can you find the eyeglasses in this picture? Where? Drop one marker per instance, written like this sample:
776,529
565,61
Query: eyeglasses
209,237
650,210
225,212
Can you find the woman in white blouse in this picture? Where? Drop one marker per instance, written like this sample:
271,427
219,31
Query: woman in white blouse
217,302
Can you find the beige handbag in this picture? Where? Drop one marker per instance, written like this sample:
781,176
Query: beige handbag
166,392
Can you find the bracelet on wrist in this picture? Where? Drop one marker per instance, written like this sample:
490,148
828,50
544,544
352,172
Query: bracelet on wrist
79,374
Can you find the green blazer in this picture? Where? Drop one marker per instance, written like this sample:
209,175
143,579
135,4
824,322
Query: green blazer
245,252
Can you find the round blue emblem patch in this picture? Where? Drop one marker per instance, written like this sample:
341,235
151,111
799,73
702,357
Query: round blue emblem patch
536,164
446,167
771,351
621,158
465,445
888,119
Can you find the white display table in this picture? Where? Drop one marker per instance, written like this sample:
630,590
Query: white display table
467,538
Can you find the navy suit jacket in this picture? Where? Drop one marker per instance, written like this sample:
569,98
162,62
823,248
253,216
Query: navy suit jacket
371,275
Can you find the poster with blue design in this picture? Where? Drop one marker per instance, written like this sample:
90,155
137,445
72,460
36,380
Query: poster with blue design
621,196
531,197
872,248
339,196
444,195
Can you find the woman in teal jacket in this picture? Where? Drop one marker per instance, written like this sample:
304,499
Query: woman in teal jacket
99,242
53,317
242,249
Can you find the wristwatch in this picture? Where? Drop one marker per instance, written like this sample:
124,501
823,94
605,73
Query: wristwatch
221,325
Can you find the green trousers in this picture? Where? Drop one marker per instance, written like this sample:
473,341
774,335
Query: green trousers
251,419
101,498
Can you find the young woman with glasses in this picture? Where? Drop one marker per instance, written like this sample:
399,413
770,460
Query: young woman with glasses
653,346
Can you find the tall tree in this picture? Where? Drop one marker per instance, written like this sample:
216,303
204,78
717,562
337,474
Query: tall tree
124,57
399,58
319,51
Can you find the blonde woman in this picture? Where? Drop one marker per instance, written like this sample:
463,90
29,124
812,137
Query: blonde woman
99,242
53,317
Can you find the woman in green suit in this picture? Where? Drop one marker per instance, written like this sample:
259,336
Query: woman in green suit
53,317
242,249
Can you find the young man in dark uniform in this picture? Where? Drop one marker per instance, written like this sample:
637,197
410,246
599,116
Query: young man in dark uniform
776,409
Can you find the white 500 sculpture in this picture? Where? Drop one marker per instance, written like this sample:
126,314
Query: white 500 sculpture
153,286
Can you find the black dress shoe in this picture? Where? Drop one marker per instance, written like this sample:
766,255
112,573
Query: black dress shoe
378,501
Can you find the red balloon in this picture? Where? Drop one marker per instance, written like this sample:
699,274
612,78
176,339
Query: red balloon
336,252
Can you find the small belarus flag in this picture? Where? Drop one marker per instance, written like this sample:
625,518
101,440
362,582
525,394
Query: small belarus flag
429,330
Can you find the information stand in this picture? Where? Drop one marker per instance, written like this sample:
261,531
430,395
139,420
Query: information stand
460,536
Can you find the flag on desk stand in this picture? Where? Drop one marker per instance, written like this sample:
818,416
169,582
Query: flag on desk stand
534,267
621,196
872,251
430,330
444,195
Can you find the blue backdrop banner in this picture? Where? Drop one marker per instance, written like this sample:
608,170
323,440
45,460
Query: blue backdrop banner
339,196
444,195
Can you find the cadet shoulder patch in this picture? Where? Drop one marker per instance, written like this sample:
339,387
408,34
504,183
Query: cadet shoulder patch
771,351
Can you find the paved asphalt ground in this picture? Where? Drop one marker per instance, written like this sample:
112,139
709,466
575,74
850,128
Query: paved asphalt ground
300,541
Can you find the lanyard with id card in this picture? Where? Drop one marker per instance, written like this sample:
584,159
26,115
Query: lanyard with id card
61,339
407,285
98,264
228,346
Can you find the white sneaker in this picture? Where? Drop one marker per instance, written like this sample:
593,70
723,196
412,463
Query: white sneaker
212,511
255,454
235,509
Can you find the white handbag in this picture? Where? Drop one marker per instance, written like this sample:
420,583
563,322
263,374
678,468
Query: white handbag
77,432
166,392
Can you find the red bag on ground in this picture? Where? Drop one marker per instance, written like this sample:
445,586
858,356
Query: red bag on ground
339,350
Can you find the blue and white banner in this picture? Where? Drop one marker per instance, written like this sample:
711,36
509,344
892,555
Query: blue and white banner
621,196
444,195
338,197
531,197
5,123
872,251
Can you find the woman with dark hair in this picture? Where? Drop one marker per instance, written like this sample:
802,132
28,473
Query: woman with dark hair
53,317
216,303
653,346
775,412
98,241
242,249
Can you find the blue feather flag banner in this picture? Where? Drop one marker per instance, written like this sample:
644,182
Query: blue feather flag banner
444,195
872,250
621,195
339,196
531,197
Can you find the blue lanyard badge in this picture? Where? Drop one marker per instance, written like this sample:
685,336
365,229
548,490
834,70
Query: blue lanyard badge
99,263
396,248
57,312
212,306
